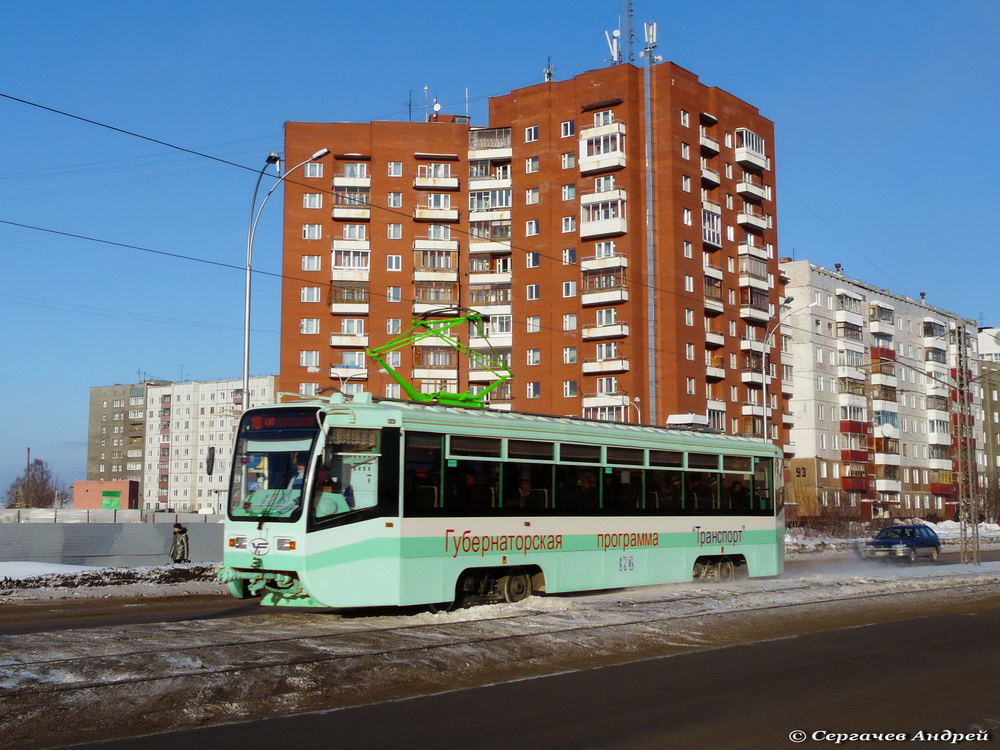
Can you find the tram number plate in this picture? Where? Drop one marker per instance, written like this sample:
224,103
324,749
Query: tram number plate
626,564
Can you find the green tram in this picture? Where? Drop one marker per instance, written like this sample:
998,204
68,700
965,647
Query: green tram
355,503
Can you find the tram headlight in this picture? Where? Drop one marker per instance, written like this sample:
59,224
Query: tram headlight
238,542
285,545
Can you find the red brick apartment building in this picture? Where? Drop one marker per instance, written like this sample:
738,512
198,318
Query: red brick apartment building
617,287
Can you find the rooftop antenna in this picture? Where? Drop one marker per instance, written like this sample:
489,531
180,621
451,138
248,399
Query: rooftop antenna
629,32
466,101
426,105
409,107
613,46
549,69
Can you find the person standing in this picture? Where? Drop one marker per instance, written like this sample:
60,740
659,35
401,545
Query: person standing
179,546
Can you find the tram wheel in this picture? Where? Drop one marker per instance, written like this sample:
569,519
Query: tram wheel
442,607
516,586
699,571
727,571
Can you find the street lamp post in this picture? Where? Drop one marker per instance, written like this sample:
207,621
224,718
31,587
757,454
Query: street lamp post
255,212
633,403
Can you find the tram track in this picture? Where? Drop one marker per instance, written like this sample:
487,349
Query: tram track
434,636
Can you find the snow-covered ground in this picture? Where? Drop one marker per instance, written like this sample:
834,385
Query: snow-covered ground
34,581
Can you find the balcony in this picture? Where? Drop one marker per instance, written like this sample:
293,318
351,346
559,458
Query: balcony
355,341
426,306
710,177
424,182
752,187
748,155
490,278
597,263
349,307
352,180
711,238
435,243
754,314
753,281
489,143
715,368
714,338
856,484
593,331
709,145
435,215
888,485
606,296
754,219
713,271
753,250
942,489
352,213
752,345
602,366
483,343
354,372
351,245
612,227
751,375
879,353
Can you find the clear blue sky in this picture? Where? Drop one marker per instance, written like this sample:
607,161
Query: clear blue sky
886,115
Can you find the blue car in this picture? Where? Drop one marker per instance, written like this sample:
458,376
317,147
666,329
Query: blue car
903,543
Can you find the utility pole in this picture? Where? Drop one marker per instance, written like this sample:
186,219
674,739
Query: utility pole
965,452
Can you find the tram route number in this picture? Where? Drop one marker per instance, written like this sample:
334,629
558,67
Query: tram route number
626,564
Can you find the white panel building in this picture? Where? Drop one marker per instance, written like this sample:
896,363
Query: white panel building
876,421
183,421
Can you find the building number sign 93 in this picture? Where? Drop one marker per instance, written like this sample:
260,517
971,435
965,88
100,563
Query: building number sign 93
626,564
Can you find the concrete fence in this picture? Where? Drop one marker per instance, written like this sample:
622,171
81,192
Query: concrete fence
129,544
72,515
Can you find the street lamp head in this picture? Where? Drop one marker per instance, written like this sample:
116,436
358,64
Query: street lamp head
319,154
788,301
272,158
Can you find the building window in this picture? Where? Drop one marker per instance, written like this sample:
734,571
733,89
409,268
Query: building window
568,161
308,359
689,317
531,228
395,169
689,351
689,283
531,164
312,231
392,325
531,134
314,169
604,117
569,322
687,249
685,120
567,129
394,231
569,224
394,263
394,294
531,196
569,388
311,262
309,325
569,256
685,183
312,200
395,200
531,260
309,294
569,288
685,151
533,324
568,192
534,357
355,232
534,390
392,390
532,291
690,386
352,326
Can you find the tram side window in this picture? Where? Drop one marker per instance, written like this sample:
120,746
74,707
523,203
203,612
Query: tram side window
664,492
622,490
701,491
736,492
422,474
527,487
577,488
762,500
471,487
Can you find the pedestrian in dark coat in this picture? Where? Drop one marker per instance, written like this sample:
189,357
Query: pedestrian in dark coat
179,546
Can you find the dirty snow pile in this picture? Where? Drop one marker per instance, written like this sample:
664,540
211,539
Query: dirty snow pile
32,580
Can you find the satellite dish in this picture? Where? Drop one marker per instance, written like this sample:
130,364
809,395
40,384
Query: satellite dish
437,107
886,429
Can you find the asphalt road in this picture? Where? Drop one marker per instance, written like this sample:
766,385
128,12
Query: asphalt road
930,674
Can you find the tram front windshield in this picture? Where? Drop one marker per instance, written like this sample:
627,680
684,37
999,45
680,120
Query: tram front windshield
270,464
